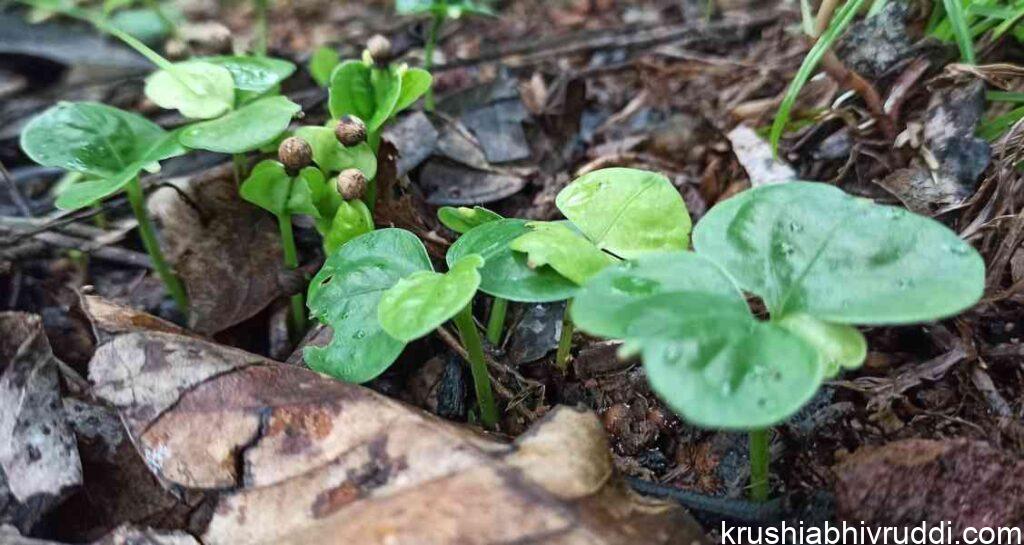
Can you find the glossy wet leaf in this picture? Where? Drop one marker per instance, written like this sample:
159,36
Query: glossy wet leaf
505,272
366,92
423,301
245,129
109,145
738,374
462,219
254,74
611,302
332,157
840,346
345,294
322,63
811,248
627,212
199,90
351,219
562,249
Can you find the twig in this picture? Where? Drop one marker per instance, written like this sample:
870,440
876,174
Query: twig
16,196
848,78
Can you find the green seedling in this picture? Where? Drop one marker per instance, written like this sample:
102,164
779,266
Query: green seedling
461,220
321,63
440,11
819,259
379,292
612,213
109,147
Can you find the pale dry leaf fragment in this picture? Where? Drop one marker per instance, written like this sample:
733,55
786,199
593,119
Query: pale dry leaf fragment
755,154
38,454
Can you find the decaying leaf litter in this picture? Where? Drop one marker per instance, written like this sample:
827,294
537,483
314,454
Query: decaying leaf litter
173,428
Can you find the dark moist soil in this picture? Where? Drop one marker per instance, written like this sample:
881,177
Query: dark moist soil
938,403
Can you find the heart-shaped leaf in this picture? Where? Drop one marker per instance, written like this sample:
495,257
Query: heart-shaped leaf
733,373
612,301
268,187
557,246
840,346
809,247
345,295
627,212
199,90
423,301
331,156
463,219
255,75
351,219
245,129
367,92
505,272
99,141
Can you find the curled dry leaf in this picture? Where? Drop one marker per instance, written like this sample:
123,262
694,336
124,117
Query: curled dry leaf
306,459
227,253
38,457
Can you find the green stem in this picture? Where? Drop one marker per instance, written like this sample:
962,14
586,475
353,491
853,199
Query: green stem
481,380
496,321
261,27
564,341
759,460
238,162
291,259
428,58
148,234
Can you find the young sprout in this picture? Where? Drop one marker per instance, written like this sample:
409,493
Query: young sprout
461,220
379,292
440,11
612,213
819,259
109,147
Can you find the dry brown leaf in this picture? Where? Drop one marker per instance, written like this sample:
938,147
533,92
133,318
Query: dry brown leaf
124,535
306,459
226,251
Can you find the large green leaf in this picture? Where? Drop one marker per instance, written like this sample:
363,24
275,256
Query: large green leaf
245,129
505,272
611,303
254,74
423,301
331,156
463,219
627,212
107,144
733,373
367,92
199,90
809,247
345,294
555,245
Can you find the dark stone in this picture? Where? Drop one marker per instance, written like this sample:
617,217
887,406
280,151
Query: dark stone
873,46
950,122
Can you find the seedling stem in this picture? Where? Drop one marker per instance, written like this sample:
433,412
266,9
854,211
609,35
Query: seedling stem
481,380
759,464
496,321
291,259
428,57
148,235
261,28
564,341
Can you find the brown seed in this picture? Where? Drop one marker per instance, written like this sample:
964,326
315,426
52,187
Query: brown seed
379,48
295,153
351,184
351,131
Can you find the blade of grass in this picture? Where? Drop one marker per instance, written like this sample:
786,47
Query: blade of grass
1004,96
840,21
995,127
961,30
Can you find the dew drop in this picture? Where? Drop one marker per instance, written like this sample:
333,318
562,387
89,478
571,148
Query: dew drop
633,285
795,227
359,334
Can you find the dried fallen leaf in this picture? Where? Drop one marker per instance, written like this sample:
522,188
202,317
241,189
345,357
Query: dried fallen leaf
124,535
38,455
226,251
306,459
